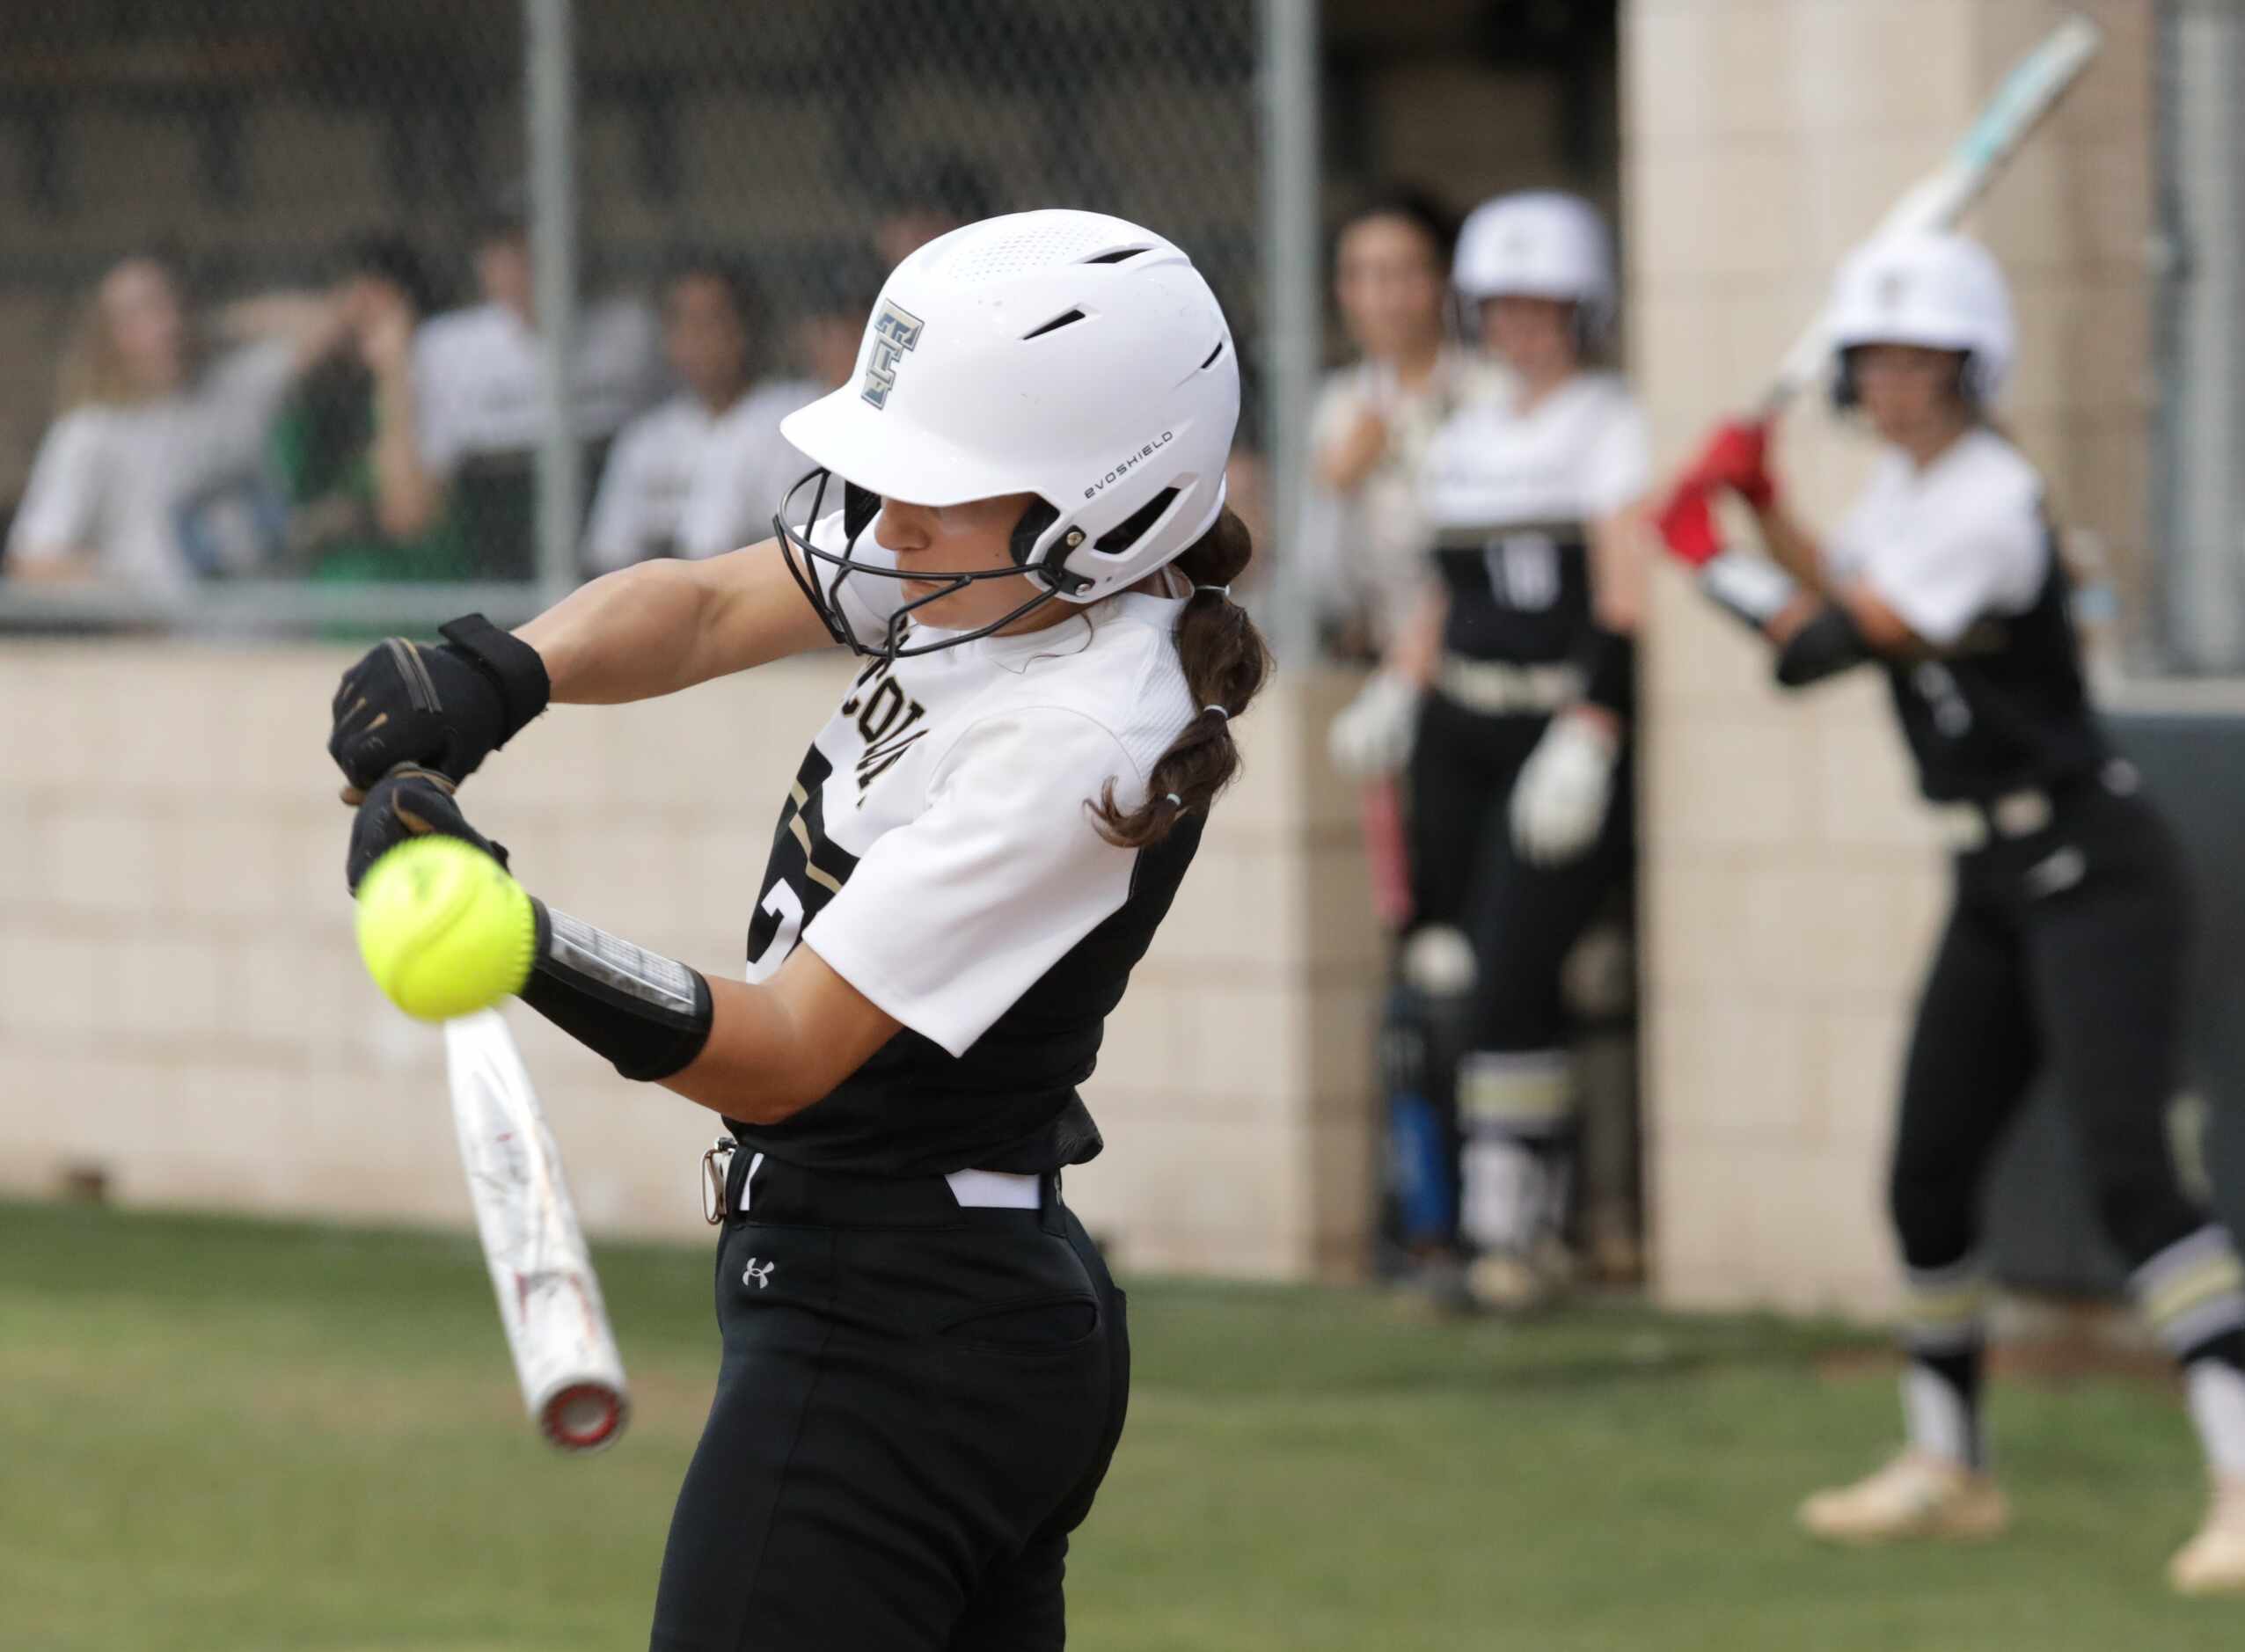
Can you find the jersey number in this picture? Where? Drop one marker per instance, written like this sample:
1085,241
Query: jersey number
786,909
1523,571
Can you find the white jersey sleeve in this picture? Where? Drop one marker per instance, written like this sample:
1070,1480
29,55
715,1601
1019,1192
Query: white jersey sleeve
1946,547
61,504
1618,465
949,920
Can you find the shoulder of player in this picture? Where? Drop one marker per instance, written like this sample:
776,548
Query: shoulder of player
1602,397
453,327
1125,689
461,343
1987,457
754,420
776,397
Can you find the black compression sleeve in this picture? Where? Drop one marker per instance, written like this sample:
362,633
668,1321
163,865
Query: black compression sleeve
1828,645
511,666
648,1014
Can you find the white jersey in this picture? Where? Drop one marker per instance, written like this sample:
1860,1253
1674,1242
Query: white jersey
938,853
683,481
480,379
1579,454
1510,495
1943,547
122,482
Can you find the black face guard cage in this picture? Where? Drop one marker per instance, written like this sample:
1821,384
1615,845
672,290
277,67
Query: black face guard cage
1848,393
806,563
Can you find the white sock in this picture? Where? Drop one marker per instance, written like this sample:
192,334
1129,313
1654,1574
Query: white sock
2216,1391
1936,1415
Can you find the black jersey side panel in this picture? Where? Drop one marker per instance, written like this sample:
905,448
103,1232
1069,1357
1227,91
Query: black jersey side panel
2007,708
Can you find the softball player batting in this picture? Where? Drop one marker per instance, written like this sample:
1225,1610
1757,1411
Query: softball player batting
1019,521
2064,945
1507,703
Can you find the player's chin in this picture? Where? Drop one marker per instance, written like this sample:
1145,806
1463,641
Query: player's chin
952,613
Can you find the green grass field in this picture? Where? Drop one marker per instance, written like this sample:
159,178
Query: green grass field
223,1435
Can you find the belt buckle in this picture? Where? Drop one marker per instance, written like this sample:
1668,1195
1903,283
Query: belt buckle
717,1168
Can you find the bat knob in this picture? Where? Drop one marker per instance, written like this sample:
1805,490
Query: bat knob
583,1416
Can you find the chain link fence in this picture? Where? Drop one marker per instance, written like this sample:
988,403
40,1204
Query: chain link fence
271,355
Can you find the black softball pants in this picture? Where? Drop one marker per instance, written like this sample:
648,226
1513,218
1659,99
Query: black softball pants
915,1407
1523,919
2064,952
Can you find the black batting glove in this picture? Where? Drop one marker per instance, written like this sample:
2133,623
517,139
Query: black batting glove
445,706
408,802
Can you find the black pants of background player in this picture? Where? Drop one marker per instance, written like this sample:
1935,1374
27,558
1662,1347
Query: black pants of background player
2064,956
1511,1095
916,1405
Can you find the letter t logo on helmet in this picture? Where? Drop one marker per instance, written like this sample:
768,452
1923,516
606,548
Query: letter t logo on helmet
1071,355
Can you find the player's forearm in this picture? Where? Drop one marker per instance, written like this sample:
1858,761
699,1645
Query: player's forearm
1791,545
1617,564
777,1047
657,627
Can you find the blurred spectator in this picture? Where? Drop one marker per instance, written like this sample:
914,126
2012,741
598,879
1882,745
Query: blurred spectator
927,200
826,338
346,445
704,472
918,205
479,377
1363,536
150,475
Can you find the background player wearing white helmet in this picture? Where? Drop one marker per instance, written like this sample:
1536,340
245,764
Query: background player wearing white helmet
2065,944
1508,701
924,1362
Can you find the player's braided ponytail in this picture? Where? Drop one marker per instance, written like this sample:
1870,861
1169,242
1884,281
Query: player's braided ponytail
1226,661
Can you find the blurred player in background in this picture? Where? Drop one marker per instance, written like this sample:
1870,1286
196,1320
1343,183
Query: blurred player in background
1019,516
704,471
345,445
2063,950
1507,698
479,411
151,476
1363,538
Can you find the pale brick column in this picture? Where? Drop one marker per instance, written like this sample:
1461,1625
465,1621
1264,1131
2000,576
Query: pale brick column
1793,885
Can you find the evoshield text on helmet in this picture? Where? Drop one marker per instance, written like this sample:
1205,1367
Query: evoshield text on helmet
1070,355
1936,290
1537,244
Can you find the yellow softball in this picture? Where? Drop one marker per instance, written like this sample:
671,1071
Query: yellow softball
443,929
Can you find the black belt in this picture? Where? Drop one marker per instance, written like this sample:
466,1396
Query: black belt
758,1188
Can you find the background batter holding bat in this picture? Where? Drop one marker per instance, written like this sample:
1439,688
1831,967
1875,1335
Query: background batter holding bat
2064,948
1507,702
1021,522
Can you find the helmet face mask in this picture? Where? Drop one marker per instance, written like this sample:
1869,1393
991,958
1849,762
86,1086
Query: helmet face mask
1847,383
821,574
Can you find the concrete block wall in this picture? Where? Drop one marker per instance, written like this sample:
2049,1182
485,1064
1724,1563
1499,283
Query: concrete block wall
182,1008
1793,885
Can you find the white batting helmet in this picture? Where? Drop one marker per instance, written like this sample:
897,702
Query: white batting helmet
1068,355
1936,290
1539,244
